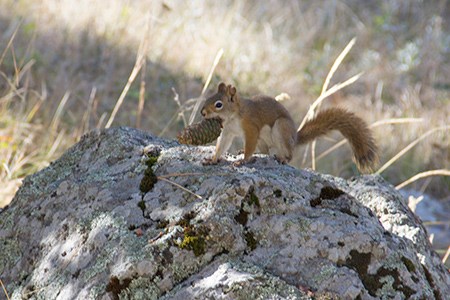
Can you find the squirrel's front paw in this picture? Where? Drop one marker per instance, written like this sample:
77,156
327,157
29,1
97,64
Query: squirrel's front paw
210,161
239,163
242,162
280,160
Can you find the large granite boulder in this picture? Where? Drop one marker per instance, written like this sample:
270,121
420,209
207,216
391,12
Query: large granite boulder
126,215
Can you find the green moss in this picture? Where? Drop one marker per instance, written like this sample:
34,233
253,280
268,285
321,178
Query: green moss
408,264
149,179
141,205
186,219
250,239
194,243
194,239
253,199
162,224
151,161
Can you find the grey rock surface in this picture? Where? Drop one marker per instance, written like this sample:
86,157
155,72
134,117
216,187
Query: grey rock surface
125,215
434,211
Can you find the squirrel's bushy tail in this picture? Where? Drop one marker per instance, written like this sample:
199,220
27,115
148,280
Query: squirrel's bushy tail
353,128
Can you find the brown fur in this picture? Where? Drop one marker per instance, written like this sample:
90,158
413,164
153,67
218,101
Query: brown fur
353,128
266,124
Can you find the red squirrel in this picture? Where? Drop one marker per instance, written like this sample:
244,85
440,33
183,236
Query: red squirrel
265,124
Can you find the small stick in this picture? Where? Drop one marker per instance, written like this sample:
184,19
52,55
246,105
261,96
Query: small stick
180,175
181,187
152,240
190,174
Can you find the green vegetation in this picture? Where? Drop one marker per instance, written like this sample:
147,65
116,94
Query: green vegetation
252,243
149,179
193,242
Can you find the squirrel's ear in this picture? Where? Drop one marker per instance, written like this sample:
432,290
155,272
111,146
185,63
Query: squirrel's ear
232,93
222,88
232,90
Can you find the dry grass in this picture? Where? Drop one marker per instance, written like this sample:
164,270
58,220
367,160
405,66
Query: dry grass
423,175
64,65
4,289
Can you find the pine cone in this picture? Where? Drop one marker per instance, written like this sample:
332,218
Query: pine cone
201,133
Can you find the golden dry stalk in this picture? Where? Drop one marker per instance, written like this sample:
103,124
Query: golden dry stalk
201,133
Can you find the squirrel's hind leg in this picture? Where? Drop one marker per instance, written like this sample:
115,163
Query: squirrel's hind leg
283,137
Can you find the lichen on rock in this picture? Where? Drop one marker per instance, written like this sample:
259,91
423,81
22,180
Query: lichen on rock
87,227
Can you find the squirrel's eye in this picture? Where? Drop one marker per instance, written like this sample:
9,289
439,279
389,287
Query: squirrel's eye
218,104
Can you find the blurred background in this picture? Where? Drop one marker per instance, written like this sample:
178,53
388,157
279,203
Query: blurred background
64,64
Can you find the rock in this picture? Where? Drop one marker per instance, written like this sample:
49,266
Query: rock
126,215
433,211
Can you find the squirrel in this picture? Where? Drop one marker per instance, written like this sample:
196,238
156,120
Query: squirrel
266,124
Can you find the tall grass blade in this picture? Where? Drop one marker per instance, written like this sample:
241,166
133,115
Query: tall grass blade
9,43
333,69
407,148
336,64
205,87
57,116
140,60
4,289
440,172
141,95
131,78
86,121
328,93
447,254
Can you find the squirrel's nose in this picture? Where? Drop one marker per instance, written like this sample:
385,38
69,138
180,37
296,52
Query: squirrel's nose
203,112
